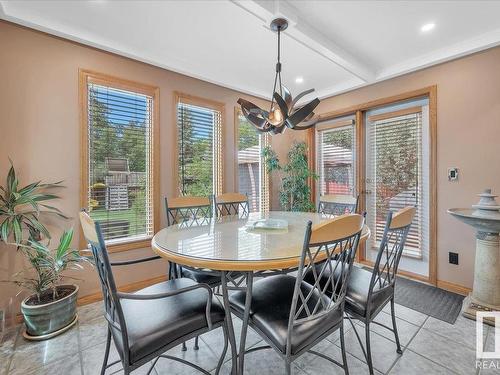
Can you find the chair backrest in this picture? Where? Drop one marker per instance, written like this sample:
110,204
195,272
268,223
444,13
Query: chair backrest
112,307
337,204
232,204
391,248
190,210
328,254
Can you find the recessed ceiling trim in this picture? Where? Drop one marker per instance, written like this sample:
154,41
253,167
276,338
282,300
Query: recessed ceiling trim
469,46
308,36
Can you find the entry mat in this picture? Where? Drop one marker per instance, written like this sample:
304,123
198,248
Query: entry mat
427,299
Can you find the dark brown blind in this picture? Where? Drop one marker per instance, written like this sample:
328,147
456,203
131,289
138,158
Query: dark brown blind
120,162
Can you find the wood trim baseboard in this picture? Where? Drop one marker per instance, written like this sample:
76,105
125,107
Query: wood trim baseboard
407,274
452,287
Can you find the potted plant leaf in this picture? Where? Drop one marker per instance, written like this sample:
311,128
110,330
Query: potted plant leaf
294,192
51,308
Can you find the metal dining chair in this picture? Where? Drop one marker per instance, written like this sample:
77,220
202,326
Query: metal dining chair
369,291
190,211
232,204
337,204
147,323
292,315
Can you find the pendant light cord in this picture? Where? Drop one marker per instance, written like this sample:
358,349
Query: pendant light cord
278,71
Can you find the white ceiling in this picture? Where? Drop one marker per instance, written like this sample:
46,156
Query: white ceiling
334,45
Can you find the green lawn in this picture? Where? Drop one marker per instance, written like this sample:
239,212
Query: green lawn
137,220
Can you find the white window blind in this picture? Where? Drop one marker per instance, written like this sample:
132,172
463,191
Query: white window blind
199,140
336,158
120,159
253,179
394,175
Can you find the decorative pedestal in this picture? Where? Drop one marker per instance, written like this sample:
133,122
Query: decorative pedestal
485,295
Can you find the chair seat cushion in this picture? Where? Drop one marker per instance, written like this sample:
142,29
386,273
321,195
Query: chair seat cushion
270,311
201,277
153,324
357,293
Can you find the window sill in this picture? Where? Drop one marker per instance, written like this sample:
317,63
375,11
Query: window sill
118,247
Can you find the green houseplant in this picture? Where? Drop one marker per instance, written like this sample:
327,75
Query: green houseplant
51,307
295,192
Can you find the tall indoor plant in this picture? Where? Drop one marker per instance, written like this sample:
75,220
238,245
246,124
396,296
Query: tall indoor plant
51,308
295,192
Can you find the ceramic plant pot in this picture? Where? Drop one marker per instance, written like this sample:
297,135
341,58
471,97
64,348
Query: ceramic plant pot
47,320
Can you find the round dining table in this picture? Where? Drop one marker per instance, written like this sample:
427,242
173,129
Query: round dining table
237,250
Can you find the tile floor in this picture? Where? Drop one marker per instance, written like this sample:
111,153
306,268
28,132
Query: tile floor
430,346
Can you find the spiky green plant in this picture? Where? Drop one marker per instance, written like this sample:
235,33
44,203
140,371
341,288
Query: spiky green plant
295,193
22,207
48,265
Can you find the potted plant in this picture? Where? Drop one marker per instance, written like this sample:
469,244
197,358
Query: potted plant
51,308
295,192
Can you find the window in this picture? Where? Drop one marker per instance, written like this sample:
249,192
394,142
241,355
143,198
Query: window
397,174
199,142
119,121
252,177
336,162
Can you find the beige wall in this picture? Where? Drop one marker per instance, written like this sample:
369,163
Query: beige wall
468,136
40,130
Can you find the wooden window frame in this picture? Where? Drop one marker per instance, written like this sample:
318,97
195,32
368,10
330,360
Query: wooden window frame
359,111
266,139
206,103
89,76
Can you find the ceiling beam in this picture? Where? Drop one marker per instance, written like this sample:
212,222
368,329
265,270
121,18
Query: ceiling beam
304,33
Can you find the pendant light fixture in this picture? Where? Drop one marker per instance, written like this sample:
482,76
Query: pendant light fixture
283,111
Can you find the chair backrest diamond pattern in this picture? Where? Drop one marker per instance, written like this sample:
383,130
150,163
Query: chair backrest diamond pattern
232,204
391,248
328,254
336,205
188,211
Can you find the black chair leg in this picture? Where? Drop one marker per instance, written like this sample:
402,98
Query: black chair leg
106,353
395,328
184,348
342,347
368,348
196,347
224,350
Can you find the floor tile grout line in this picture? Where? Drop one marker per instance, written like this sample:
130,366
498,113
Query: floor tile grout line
364,359
447,338
405,347
79,340
420,354
14,347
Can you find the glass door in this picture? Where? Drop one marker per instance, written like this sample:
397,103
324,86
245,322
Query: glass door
397,176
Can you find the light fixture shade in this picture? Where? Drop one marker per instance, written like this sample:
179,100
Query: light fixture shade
283,111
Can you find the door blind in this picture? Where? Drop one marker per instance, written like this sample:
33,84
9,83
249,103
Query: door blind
199,141
394,175
252,174
336,160
120,158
